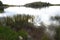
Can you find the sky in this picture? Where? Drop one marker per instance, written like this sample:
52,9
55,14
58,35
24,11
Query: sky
22,2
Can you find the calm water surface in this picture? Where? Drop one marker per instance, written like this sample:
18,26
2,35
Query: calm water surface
41,14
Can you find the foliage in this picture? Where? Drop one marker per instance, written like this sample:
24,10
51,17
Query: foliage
1,7
57,35
7,34
37,4
57,28
20,25
18,22
1,4
23,34
57,18
45,37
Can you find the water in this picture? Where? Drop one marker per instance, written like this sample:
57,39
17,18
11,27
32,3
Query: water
41,14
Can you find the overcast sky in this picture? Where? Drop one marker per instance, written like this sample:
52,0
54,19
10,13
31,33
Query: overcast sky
22,2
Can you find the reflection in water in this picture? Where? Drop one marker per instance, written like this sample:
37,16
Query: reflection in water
42,14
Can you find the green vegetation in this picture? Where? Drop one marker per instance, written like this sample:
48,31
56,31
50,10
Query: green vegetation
7,34
56,18
57,35
1,4
13,27
18,22
18,27
21,27
57,28
38,4
45,37
1,7
23,34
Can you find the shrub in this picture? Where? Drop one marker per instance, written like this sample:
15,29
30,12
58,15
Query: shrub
23,34
45,37
57,35
7,34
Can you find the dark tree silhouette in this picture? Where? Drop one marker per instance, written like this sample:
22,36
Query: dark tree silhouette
37,4
1,7
1,3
